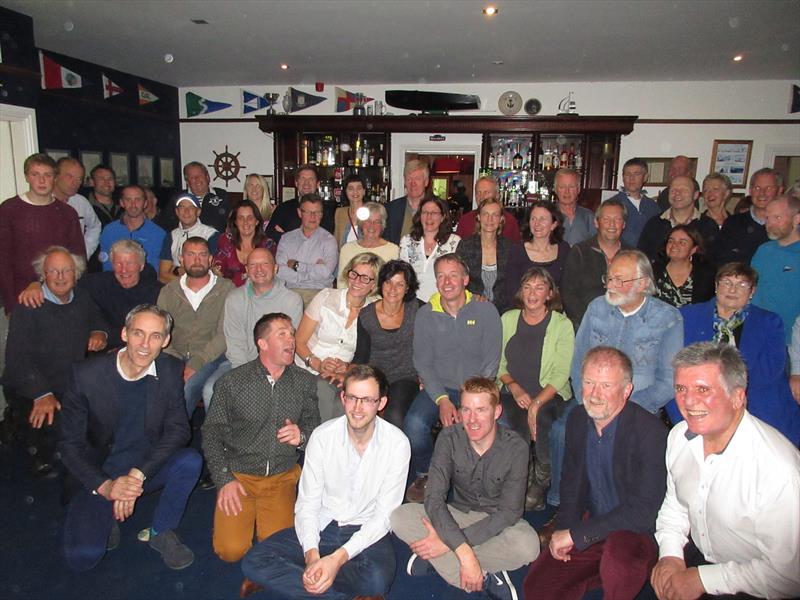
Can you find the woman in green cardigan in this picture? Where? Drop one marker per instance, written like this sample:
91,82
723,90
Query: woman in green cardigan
538,342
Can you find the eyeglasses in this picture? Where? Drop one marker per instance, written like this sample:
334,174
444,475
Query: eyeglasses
431,213
733,285
351,399
352,275
313,213
618,281
62,272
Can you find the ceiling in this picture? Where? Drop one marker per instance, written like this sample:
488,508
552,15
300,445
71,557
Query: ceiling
423,41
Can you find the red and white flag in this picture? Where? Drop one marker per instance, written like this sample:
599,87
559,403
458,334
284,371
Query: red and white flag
110,88
146,96
56,77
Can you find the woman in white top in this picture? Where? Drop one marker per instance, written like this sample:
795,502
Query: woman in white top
326,338
371,228
431,236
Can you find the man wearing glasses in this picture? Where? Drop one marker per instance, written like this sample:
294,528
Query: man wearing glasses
260,417
628,318
353,478
744,232
307,256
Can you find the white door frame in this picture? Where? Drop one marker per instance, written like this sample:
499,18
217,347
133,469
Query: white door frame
25,140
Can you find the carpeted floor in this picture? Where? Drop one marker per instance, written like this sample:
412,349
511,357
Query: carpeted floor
33,567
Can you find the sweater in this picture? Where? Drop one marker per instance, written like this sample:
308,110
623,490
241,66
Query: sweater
44,342
448,350
197,336
559,344
26,230
389,350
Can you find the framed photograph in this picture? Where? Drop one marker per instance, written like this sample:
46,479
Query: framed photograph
90,160
268,179
57,154
144,170
732,158
119,162
658,167
166,171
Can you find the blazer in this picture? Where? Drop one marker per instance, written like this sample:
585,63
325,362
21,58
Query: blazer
395,215
89,412
640,476
470,250
762,346
341,228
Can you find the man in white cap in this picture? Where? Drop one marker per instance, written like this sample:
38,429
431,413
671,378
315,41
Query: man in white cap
187,209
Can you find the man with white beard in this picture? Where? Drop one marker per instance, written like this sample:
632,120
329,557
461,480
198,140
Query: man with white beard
630,319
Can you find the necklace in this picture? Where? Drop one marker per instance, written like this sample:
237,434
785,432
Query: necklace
392,314
354,305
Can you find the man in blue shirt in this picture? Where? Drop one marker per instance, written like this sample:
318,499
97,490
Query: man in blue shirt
132,225
638,207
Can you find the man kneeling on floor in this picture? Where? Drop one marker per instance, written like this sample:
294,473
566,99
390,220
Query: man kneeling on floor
353,478
473,541
123,434
613,482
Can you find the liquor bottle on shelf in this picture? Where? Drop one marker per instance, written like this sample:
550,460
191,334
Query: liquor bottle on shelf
556,158
516,160
318,153
527,164
492,161
365,154
572,155
579,159
331,154
564,158
357,155
380,156
372,156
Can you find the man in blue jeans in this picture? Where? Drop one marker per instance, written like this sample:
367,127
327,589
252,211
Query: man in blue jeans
456,336
123,434
353,478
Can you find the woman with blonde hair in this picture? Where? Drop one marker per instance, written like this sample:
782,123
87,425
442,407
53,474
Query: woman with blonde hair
257,191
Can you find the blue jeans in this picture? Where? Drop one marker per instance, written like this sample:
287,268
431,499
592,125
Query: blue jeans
208,387
278,563
558,442
417,425
89,517
193,389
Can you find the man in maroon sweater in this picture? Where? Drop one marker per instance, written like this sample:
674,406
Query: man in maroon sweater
29,224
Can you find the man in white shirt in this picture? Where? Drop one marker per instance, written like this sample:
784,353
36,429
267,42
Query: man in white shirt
353,478
730,521
187,208
69,178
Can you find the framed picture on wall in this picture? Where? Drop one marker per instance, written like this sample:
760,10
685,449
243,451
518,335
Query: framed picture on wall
268,179
119,162
144,170
658,167
732,158
57,154
166,172
90,160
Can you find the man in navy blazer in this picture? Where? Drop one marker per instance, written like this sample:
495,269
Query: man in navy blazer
123,433
613,483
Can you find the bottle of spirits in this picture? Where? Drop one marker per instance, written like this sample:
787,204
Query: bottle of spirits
579,159
564,158
318,153
380,156
516,161
492,161
556,157
357,155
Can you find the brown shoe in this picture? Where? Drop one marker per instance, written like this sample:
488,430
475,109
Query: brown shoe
416,491
547,532
249,588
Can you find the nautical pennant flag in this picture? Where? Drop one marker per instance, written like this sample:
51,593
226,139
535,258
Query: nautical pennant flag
56,77
145,95
110,88
345,99
252,102
197,105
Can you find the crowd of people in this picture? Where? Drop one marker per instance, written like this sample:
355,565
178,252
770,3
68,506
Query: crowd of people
380,370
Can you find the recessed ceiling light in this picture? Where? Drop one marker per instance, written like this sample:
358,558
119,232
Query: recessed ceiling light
199,21
738,58
497,62
490,11
284,66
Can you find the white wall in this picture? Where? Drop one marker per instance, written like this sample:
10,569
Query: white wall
739,100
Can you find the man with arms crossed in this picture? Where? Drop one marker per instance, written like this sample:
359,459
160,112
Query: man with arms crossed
353,478
730,522
476,538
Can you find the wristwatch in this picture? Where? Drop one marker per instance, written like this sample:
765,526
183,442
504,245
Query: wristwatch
308,358
294,266
302,439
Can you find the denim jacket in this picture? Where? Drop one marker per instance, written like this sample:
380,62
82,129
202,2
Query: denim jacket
650,338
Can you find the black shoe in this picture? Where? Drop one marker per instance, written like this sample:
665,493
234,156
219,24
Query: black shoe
498,586
176,554
206,483
113,537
